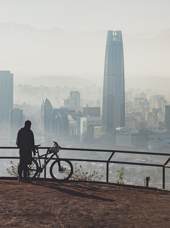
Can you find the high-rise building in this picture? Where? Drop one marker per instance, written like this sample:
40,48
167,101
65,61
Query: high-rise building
61,122
167,117
75,95
91,111
16,120
73,102
113,114
6,95
89,128
47,116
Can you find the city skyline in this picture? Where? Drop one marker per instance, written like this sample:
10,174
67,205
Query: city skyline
69,60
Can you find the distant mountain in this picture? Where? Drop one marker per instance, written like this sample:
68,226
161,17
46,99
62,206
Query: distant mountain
159,85
15,27
29,52
61,81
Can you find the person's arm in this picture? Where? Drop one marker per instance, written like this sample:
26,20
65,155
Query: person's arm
18,139
33,143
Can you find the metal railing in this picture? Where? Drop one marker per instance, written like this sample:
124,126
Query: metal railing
108,161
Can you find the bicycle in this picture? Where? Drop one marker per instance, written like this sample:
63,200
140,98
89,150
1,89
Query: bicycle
61,169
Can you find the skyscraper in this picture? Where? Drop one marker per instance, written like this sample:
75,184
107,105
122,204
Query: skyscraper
73,102
16,120
167,117
6,95
61,122
113,114
47,116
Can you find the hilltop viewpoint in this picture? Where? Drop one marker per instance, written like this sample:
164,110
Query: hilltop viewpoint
81,204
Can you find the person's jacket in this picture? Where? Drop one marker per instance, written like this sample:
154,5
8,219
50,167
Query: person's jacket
25,139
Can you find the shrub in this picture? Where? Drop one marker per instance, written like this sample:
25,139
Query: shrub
79,174
120,175
14,170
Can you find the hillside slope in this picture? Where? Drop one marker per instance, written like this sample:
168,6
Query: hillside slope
78,204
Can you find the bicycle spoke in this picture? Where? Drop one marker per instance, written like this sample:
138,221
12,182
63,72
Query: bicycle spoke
61,170
32,169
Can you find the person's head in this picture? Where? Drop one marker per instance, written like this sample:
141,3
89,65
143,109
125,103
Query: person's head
28,124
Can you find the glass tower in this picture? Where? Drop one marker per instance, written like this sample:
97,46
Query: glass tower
6,95
167,117
113,114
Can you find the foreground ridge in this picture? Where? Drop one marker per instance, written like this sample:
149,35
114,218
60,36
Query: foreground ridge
81,204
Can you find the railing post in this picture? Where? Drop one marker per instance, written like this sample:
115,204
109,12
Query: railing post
163,177
146,183
44,170
107,172
107,168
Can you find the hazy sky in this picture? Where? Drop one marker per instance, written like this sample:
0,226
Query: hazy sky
128,15
82,53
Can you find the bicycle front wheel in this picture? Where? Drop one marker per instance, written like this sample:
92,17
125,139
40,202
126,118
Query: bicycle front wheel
61,169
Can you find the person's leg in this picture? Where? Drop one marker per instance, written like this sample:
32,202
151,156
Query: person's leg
20,168
25,168
26,178
25,173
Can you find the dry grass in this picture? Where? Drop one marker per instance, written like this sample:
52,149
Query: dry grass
78,204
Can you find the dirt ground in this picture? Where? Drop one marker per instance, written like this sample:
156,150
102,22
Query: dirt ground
81,204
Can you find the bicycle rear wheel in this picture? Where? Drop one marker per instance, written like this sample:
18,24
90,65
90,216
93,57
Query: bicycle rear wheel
61,169
32,169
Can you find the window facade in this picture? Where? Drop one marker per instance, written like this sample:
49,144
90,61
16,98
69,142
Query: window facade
113,113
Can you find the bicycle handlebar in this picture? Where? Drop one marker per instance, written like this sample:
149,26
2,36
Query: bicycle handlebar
56,144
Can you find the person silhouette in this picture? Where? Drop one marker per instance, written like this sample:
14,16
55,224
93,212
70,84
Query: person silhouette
25,142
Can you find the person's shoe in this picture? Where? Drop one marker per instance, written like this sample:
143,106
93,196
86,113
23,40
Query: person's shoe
21,179
27,180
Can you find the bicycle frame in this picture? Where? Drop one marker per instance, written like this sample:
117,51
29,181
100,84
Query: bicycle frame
46,159
60,169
